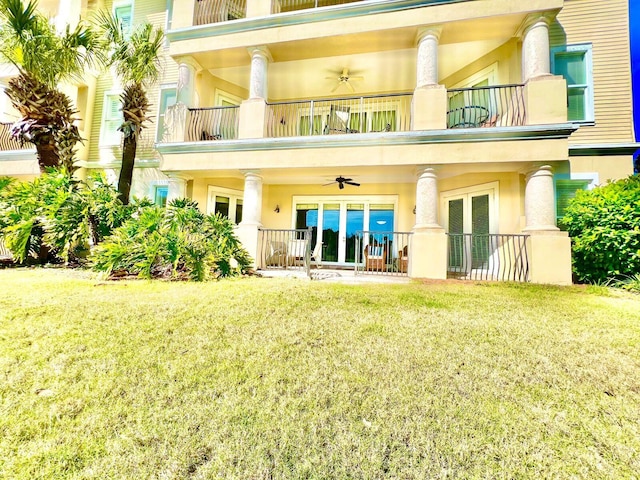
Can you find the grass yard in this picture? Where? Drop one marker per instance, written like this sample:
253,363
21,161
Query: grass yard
289,379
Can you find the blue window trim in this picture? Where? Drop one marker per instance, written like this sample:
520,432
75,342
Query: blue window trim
587,48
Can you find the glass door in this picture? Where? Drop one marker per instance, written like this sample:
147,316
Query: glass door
336,224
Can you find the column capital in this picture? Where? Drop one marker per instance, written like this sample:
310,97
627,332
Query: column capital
251,174
185,177
539,171
190,61
534,19
423,171
260,51
429,31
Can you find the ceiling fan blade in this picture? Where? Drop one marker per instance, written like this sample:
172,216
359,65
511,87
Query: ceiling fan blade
327,184
341,185
350,86
336,87
356,78
353,183
332,78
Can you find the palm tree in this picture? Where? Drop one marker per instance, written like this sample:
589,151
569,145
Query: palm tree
44,57
136,59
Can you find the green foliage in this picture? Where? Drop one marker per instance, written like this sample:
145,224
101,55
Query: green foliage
604,224
55,217
31,42
176,242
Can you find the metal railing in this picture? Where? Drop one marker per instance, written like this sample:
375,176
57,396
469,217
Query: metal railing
278,6
383,253
499,106
283,249
215,123
215,11
488,257
366,114
8,142
5,254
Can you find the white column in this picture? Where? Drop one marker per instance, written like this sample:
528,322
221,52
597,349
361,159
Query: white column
427,199
177,186
186,88
427,60
535,49
260,58
252,199
539,200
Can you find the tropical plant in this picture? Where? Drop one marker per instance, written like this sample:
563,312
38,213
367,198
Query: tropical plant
604,224
175,242
44,57
55,218
135,57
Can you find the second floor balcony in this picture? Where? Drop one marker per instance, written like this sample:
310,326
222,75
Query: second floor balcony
481,107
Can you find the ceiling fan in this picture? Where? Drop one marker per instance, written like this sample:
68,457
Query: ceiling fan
341,181
343,79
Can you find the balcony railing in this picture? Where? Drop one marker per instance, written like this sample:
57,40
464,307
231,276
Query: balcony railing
7,142
499,106
382,253
282,249
215,123
215,11
488,257
278,6
379,113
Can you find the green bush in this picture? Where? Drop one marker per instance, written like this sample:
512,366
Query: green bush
54,218
604,224
175,242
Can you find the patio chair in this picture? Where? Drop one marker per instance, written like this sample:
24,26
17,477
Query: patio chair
296,250
375,258
276,255
338,121
316,255
403,259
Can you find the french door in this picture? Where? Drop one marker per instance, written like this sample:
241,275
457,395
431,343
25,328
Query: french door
336,221
469,218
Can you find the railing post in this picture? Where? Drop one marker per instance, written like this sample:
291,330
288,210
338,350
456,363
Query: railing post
311,119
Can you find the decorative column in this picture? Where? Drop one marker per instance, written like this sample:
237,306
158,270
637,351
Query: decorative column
427,199
549,248
428,249
186,88
429,103
251,214
535,48
260,58
545,94
539,200
177,186
252,199
427,61
252,122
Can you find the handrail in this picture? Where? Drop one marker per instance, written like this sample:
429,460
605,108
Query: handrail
339,99
490,106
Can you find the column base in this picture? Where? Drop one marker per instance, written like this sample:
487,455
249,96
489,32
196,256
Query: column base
549,257
248,235
428,257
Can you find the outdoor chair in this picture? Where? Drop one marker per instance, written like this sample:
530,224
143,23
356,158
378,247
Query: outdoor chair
375,258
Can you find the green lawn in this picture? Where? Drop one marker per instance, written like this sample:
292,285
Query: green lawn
263,378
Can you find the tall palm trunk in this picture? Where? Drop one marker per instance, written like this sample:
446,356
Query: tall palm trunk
135,106
128,162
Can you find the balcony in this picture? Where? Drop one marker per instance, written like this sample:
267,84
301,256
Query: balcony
281,6
216,11
216,123
502,106
335,116
7,142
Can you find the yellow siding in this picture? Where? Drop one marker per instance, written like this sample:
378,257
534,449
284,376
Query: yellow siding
605,24
152,11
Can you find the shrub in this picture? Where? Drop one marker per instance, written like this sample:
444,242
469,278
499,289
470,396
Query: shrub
55,217
604,224
174,242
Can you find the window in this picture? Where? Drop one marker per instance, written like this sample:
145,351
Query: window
124,13
111,120
574,63
226,202
160,195
168,98
565,191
